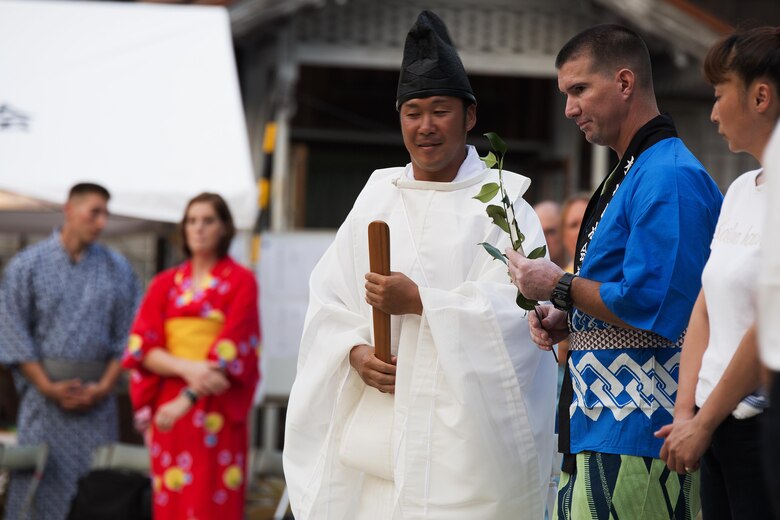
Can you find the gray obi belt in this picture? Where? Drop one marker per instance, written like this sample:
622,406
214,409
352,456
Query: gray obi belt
63,369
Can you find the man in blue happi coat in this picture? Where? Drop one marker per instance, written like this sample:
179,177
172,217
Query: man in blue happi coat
66,305
642,246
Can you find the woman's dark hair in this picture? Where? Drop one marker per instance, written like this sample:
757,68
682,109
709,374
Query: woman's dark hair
750,54
223,213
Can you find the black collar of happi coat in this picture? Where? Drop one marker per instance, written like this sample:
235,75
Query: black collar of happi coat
657,129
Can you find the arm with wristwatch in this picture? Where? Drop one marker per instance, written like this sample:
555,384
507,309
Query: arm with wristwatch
541,279
202,378
170,412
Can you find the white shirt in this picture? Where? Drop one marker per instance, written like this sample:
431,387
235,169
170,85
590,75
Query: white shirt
730,277
769,277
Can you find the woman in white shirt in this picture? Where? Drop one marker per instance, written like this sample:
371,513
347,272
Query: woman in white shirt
718,411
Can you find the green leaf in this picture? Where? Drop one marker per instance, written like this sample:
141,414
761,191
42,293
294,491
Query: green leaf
496,142
495,253
490,160
525,303
487,192
498,215
539,252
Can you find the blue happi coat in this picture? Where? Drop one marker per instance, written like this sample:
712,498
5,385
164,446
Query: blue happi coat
648,252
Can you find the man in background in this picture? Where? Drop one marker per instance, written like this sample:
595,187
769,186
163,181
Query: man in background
66,305
549,213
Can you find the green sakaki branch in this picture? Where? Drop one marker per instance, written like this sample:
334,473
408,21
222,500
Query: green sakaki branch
503,215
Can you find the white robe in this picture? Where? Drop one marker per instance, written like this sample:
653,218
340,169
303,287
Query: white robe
472,429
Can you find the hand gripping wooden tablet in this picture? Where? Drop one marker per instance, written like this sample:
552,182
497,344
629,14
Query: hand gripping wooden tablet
379,261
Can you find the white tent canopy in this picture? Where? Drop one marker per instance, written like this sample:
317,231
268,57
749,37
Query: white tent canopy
143,99
20,215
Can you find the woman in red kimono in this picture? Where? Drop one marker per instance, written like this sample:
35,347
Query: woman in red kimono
193,357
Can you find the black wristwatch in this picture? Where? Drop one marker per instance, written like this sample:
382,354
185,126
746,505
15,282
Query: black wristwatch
561,295
190,394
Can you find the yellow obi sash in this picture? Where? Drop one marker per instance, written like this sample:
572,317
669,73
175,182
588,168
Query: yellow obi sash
191,338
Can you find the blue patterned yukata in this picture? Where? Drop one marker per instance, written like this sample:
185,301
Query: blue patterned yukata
54,308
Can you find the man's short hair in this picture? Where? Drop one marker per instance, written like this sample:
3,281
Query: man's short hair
750,54
86,188
611,47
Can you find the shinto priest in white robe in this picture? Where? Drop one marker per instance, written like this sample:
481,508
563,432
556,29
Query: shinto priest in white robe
468,434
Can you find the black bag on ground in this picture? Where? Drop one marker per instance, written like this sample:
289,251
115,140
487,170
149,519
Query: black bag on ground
111,494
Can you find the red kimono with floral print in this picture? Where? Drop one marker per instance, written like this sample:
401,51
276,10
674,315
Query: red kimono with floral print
199,467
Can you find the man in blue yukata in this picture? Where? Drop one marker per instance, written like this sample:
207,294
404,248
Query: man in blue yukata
66,305
642,246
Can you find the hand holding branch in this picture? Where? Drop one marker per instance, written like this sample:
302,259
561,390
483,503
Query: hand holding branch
535,279
551,329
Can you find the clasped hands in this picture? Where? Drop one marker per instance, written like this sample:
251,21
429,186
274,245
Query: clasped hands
74,396
685,441
205,378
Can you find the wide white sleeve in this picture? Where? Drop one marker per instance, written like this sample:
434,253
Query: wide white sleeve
337,319
506,386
